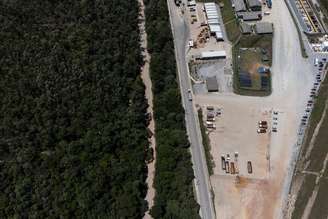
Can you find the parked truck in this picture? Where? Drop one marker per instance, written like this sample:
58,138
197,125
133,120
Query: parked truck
269,3
249,167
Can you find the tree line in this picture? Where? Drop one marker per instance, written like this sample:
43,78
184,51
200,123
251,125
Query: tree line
72,124
173,178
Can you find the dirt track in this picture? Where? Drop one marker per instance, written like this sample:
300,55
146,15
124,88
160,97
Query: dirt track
149,96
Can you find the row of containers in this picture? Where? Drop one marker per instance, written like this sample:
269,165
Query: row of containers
213,20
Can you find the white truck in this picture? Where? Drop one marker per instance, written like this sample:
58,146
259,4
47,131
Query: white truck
189,95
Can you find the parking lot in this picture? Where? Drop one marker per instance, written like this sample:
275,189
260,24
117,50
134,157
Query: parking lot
237,132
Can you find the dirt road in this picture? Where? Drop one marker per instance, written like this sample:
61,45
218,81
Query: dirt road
149,96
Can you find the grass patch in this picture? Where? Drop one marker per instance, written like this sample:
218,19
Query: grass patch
206,143
230,21
319,209
316,114
249,60
320,149
303,196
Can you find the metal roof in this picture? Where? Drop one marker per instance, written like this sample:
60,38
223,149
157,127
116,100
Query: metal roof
212,84
264,27
250,16
254,3
219,35
213,54
239,5
215,28
213,21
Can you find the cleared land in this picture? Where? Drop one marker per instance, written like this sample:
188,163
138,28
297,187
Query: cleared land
310,184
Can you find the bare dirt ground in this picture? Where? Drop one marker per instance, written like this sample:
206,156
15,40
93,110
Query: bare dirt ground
262,194
149,96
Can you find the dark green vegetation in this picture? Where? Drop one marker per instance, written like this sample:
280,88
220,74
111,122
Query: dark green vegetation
206,143
249,60
320,210
174,175
323,7
315,159
72,122
230,21
304,195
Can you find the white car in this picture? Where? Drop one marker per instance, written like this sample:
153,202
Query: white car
267,13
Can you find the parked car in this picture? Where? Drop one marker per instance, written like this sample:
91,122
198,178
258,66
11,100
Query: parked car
261,130
263,122
249,167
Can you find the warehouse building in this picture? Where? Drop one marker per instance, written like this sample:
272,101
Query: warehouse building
212,84
255,5
250,16
238,5
213,20
264,28
218,54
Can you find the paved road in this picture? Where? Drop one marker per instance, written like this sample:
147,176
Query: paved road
181,35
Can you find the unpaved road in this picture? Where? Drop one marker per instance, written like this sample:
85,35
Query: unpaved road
149,96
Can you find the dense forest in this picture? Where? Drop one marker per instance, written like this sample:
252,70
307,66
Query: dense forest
72,121
173,179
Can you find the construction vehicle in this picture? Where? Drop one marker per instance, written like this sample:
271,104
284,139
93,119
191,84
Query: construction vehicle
249,167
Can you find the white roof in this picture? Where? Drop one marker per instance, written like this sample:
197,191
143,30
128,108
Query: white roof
215,28
210,9
213,54
218,35
192,3
209,4
213,21
212,16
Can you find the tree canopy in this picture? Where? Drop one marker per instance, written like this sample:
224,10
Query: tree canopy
173,179
72,121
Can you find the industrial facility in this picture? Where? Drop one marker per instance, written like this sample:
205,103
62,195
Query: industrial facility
213,20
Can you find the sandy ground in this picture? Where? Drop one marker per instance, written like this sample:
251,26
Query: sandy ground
149,96
263,194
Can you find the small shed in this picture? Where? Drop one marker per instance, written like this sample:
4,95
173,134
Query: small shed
264,28
212,84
